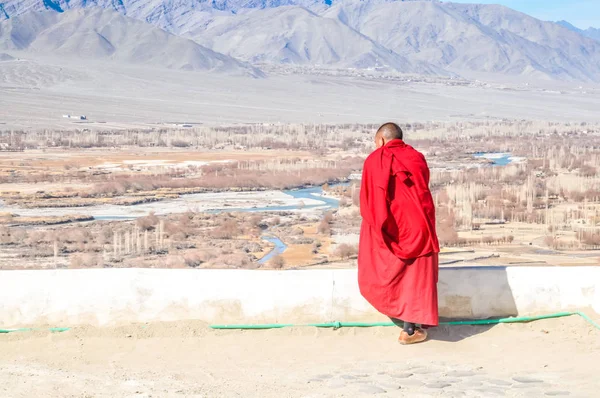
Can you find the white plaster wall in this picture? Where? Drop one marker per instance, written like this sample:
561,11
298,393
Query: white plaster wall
554,288
113,296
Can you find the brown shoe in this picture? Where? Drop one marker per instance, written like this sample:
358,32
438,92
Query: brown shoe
418,336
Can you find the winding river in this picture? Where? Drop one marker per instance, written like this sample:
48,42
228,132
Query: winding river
311,198
218,202
498,158
305,193
306,199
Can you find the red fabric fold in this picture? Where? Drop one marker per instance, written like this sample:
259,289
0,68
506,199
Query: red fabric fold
398,244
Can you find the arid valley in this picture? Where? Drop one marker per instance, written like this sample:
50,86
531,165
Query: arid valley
177,177
286,196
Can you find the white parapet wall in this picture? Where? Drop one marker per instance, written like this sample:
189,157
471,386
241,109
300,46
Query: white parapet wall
117,296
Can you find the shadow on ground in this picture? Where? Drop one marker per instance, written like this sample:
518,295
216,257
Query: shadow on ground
468,293
455,334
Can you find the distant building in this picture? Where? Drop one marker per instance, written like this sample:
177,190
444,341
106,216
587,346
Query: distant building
81,117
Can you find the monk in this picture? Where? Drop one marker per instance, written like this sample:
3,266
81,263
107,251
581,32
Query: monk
398,249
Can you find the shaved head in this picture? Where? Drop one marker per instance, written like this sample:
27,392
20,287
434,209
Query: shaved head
390,131
386,133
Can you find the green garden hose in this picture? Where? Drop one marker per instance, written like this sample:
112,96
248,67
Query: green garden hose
32,329
337,325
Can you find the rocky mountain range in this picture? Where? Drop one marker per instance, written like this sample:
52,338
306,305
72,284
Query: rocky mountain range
417,37
98,34
592,33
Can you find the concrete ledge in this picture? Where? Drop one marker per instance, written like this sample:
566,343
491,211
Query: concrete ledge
114,296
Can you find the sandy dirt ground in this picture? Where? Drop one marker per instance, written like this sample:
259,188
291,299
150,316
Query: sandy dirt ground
79,158
117,160
546,358
114,96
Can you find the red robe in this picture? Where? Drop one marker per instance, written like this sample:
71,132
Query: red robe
398,250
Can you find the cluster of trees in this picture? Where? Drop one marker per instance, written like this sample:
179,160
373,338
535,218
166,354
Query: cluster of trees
542,190
262,136
486,135
280,173
188,239
324,227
